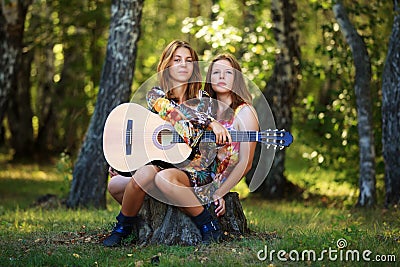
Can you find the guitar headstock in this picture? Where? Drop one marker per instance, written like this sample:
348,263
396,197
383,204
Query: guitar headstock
276,138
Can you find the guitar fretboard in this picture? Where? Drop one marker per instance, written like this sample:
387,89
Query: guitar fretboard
237,136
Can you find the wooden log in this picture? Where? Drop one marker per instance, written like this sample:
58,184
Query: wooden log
166,224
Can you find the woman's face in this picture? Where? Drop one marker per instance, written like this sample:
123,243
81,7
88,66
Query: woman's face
181,65
222,76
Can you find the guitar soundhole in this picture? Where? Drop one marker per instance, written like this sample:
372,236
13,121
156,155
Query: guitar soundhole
163,137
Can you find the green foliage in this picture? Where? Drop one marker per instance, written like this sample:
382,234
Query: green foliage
325,116
64,167
326,111
250,40
67,40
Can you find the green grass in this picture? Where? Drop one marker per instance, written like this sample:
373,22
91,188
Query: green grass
50,235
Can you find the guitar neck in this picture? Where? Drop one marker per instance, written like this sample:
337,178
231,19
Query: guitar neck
237,136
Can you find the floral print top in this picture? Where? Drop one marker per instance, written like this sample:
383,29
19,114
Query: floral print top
189,120
208,166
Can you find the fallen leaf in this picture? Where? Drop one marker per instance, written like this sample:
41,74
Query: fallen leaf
139,263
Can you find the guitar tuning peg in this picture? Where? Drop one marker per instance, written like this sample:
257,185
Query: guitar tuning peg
268,145
281,147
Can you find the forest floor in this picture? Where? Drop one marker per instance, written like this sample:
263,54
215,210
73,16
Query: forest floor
322,227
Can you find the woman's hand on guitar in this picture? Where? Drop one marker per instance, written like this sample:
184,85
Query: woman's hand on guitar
222,135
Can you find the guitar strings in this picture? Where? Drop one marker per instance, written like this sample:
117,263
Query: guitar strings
238,136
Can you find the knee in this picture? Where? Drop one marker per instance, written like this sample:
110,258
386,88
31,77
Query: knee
147,171
135,186
145,175
115,186
165,182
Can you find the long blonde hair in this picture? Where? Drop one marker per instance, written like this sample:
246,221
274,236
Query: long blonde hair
194,83
240,93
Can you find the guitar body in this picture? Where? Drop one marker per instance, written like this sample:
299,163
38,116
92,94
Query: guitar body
133,136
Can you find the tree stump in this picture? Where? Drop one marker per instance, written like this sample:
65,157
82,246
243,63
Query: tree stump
166,224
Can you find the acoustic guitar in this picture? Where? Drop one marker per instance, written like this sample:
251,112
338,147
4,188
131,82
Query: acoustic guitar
134,136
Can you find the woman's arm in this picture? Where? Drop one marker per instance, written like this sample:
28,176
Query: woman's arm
247,121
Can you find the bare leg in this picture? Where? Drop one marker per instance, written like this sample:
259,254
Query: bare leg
174,183
116,187
132,200
136,189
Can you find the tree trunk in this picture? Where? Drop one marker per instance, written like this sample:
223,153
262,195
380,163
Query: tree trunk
364,106
20,112
12,20
165,224
90,171
281,88
391,114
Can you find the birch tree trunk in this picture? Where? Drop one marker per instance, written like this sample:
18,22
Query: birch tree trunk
281,88
90,171
367,196
12,20
391,114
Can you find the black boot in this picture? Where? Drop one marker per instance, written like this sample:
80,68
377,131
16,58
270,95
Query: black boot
122,229
211,232
209,228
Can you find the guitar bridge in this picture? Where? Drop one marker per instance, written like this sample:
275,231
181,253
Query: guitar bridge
128,137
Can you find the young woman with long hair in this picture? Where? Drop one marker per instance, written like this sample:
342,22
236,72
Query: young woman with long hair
232,108
180,80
